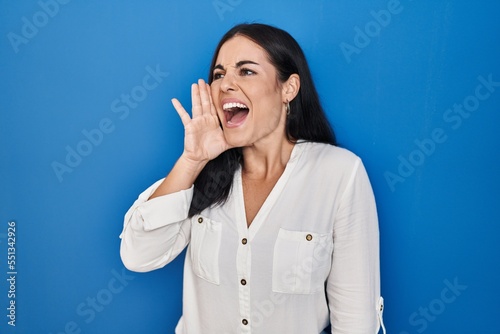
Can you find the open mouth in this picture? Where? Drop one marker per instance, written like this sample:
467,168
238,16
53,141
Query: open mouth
235,113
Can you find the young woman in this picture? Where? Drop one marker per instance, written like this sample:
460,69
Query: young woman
281,224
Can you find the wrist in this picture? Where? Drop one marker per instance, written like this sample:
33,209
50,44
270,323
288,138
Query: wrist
191,166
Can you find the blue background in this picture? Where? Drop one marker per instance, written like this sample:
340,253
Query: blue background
439,226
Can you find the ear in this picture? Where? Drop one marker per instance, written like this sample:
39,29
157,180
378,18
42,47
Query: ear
291,88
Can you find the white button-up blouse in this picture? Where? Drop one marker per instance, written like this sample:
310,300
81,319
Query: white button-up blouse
309,258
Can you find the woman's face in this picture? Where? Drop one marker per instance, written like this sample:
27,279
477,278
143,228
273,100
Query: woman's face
247,93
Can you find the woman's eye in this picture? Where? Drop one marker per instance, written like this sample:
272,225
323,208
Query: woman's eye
218,76
245,71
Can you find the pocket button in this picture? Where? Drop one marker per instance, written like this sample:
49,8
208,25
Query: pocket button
309,237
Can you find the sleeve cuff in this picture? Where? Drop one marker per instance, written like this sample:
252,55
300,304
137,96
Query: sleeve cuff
167,209
146,215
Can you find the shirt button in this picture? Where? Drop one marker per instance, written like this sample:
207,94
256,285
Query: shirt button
243,282
244,241
200,220
244,322
309,237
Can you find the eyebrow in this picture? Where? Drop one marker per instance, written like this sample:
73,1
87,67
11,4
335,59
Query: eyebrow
238,64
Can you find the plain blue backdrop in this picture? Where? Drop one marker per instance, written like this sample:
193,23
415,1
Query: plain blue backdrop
413,87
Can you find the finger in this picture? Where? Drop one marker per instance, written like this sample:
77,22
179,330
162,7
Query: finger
204,97
196,100
213,110
183,114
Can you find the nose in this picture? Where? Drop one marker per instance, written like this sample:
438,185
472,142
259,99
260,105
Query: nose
228,83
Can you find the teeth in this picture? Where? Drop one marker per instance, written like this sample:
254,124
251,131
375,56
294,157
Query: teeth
234,105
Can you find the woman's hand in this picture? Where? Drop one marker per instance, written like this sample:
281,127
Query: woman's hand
203,136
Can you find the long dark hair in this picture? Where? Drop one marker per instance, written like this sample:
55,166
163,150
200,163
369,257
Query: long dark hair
307,120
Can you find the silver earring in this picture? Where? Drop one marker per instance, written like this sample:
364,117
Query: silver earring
287,108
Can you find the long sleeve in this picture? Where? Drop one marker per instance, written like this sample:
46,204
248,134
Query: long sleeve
353,287
155,231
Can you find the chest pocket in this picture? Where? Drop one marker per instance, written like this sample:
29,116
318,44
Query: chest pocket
301,262
204,248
